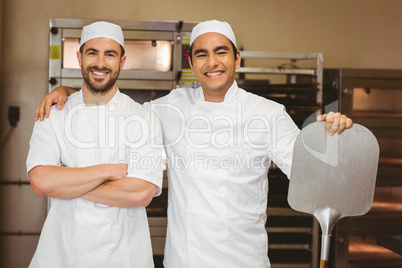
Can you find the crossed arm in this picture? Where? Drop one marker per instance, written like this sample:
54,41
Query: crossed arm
107,184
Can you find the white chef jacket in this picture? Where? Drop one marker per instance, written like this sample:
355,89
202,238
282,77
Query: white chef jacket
218,159
81,233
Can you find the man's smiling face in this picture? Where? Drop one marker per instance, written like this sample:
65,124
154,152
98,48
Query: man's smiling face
100,64
214,64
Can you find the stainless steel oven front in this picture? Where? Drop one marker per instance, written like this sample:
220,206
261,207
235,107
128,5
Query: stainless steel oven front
156,52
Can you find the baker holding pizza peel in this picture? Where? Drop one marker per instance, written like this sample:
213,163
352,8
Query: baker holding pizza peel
333,176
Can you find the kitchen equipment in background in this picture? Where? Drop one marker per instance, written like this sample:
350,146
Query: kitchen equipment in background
156,56
151,55
333,176
371,97
291,79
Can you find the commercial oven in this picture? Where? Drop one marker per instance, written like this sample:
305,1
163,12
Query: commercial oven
372,98
156,52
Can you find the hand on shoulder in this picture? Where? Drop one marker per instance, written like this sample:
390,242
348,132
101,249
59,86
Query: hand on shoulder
58,96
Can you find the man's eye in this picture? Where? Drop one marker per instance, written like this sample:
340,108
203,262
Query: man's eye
201,55
222,52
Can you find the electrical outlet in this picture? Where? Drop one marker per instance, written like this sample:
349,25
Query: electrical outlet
13,115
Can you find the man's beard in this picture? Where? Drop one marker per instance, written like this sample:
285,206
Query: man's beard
97,86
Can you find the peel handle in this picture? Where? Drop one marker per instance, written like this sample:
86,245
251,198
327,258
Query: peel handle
323,263
325,243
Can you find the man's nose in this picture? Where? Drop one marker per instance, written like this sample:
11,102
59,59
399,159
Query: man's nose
100,61
212,60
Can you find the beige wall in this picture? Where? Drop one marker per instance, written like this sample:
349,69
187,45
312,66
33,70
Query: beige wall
358,33
1,103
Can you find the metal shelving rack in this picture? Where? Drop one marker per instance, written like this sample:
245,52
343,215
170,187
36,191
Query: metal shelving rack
371,98
293,236
292,70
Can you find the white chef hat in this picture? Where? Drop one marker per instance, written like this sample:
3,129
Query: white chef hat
102,29
213,26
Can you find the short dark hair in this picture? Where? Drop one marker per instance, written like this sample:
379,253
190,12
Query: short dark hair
233,46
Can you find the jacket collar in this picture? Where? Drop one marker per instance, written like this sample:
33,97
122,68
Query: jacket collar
116,100
230,94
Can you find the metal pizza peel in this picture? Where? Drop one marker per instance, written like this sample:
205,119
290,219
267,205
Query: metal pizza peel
333,176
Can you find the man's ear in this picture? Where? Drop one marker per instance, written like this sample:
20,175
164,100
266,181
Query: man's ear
79,57
191,65
122,61
238,59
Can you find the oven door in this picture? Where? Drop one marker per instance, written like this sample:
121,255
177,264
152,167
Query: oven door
153,52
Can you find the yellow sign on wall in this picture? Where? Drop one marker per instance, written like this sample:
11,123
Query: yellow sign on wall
55,52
